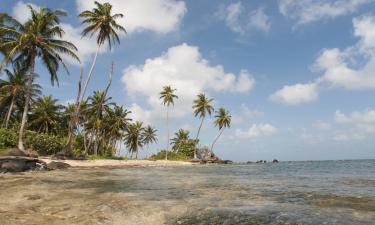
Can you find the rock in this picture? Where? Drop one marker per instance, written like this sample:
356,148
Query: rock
224,161
14,166
32,153
16,152
249,162
57,165
275,161
20,164
204,153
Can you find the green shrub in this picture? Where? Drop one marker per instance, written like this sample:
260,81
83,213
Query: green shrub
180,156
44,144
8,139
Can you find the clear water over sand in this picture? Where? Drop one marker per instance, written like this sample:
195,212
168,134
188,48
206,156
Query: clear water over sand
327,192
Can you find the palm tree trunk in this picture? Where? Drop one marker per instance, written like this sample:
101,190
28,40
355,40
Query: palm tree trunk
9,113
27,101
196,139
166,151
217,138
90,72
74,119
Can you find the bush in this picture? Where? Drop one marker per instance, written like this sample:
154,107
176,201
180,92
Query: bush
179,156
44,144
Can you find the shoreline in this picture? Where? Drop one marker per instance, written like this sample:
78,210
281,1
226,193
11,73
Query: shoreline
119,163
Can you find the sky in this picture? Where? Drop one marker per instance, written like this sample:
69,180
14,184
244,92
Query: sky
298,76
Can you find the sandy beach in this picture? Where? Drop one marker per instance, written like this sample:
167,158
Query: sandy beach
120,163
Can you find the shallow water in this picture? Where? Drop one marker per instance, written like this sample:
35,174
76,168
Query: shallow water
325,192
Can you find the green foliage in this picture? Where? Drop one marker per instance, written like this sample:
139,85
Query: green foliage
8,139
44,144
179,156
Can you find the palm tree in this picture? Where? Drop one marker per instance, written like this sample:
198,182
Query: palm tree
168,96
40,37
116,122
202,107
97,106
100,21
14,89
149,136
45,115
133,137
222,120
181,138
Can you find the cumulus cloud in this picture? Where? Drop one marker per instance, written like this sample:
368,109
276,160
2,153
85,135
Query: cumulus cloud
366,117
296,94
352,68
321,125
184,68
241,20
160,16
21,12
307,11
256,130
245,114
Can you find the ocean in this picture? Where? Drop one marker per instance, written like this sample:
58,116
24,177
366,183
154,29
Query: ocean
310,192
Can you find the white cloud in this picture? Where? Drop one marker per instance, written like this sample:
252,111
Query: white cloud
184,68
366,117
86,46
296,94
21,12
256,130
352,68
245,114
307,11
341,69
321,125
240,20
160,16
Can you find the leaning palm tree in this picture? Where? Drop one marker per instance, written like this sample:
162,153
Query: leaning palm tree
181,137
45,115
133,137
38,38
14,89
167,95
202,107
222,121
102,22
149,136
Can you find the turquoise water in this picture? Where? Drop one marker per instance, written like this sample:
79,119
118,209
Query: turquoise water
325,192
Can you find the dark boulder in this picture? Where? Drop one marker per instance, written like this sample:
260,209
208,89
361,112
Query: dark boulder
20,164
57,165
15,152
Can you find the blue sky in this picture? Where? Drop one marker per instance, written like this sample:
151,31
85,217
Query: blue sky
297,76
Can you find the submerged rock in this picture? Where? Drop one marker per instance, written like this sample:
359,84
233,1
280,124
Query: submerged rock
57,165
275,161
20,164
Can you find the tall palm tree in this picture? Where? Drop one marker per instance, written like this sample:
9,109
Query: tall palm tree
116,121
202,106
181,137
97,106
45,115
222,121
133,137
14,89
102,22
40,37
167,95
149,136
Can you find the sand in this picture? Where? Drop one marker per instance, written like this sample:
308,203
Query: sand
120,163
